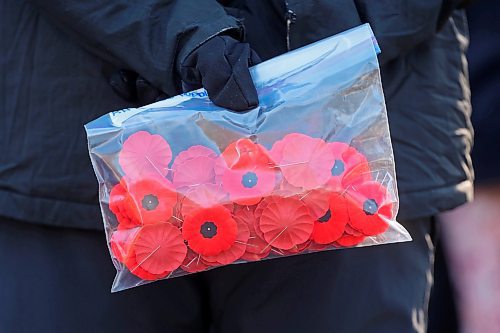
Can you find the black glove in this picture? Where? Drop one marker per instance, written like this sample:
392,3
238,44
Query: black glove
220,65
134,88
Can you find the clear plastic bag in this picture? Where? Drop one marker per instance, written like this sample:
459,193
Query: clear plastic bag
186,186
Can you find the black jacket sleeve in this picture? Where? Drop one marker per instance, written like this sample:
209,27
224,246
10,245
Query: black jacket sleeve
400,25
149,37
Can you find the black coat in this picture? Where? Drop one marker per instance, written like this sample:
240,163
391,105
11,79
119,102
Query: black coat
57,55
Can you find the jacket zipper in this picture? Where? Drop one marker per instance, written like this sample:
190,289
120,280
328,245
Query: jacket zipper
290,19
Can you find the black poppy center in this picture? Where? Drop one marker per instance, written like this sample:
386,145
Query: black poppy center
249,179
326,217
338,168
150,202
370,207
208,229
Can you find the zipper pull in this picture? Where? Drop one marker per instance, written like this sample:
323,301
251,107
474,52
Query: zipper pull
291,17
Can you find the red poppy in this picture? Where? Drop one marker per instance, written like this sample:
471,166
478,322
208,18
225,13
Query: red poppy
306,162
145,154
236,250
156,251
194,166
193,262
151,200
286,223
349,166
203,196
260,208
257,248
176,218
331,225
370,207
119,203
317,200
249,173
209,231
120,242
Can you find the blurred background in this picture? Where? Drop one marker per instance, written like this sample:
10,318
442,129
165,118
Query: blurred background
466,292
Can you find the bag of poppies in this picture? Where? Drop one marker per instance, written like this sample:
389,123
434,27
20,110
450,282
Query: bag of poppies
187,186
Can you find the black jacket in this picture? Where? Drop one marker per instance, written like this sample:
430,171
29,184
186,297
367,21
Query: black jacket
57,54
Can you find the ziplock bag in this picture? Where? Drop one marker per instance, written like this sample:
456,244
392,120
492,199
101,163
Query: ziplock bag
186,186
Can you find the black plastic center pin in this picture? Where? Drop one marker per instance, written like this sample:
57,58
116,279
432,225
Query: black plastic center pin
150,202
326,217
208,229
338,168
370,207
249,179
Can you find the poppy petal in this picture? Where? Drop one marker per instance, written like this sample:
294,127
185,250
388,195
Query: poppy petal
297,248
157,249
257,248
317,200
349,240
118,204
203,196
193,263
121,241
306,162
286,223
144,154
194,166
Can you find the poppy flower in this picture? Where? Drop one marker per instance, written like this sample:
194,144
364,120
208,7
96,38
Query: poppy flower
248,174
156,251
257,248
194,166
209,231
151,200
305,161
349,166
370,207
331,225
119,200
203,196
145,154
193,263
286,222
234,252
120,242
